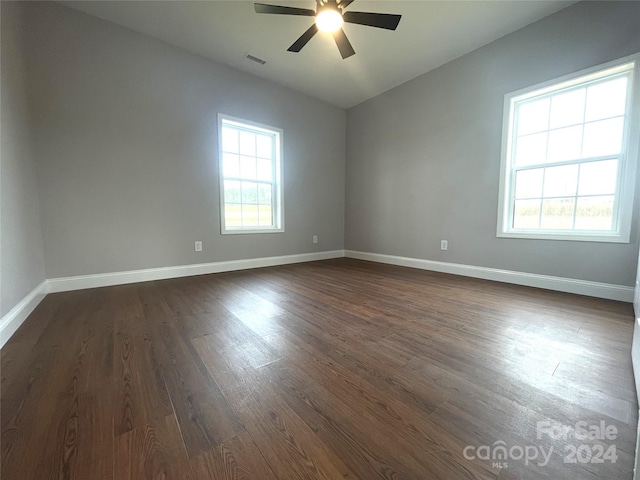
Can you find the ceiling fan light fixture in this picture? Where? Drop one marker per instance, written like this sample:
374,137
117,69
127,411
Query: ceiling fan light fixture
329,20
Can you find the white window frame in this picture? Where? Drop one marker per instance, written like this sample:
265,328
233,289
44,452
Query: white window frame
277,196
628,159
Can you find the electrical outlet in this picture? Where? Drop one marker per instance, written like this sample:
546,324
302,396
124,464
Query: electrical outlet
198,246
315,239
444,244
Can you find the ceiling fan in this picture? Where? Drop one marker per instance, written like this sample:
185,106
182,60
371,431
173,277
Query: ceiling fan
330,16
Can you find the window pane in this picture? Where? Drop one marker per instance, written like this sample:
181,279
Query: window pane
231,165
561,181
603,137
231,191
249,192
233,215
247,143
250,215
594,213
531,149
567,108
529,183
526,214
264,216
248,167
564,144
598,178
264,170
606,99
264,145
230,140
264,194
533,116
557,214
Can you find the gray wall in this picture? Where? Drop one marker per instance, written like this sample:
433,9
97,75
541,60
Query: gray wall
423,160
21,254
125,137
124,141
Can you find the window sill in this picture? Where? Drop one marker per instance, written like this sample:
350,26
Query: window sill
245,231
573,237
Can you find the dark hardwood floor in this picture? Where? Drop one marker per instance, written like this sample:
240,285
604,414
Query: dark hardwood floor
325,370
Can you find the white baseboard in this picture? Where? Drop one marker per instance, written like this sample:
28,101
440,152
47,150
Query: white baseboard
64,284
18,314
560,284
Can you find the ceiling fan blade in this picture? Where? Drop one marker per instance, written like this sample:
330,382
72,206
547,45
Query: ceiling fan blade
346,50
379,20
280,10
304,39
345,3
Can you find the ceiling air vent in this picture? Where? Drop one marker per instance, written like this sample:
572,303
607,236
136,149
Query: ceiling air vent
255,59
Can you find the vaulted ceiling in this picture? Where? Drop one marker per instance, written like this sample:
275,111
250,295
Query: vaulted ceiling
430,34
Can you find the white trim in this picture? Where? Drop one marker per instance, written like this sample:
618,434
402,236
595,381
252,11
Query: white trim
560,284
276,183
573,236
627,158
64,284
18,314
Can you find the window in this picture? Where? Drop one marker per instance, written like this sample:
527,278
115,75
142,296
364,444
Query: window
569,157
250,176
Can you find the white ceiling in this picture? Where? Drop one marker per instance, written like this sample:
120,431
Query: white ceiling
430,34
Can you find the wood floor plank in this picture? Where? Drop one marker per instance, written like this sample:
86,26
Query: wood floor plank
26,377
141,393
289,446
205,417
206,323
424,398
79,440
380,409
88,439
28,357
333,422
373,451
152,452
77,413
238,458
